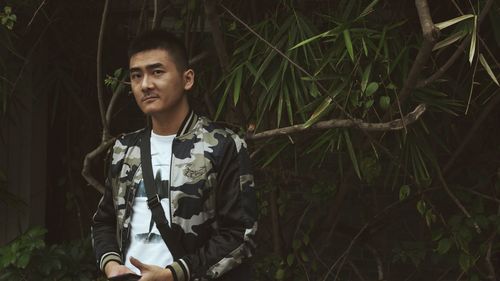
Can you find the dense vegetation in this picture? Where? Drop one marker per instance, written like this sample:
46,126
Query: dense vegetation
391,170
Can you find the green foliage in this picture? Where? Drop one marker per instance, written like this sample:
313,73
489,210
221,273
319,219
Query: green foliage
29,258
7,18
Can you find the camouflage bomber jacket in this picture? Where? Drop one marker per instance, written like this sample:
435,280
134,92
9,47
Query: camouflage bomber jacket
212,200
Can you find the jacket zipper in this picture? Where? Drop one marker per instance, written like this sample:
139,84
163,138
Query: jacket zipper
169,183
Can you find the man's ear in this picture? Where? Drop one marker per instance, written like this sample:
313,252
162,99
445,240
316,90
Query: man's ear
188,79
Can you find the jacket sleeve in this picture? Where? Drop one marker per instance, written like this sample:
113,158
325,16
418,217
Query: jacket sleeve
103,230
235,217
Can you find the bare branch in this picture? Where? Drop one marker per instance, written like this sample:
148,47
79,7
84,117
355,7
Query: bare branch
100,85
87,175
393,125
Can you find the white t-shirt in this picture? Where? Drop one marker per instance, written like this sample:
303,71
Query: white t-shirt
146,243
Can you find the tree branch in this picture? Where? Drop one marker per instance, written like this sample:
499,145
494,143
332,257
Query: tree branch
119,89
393,125
100,85
87,175
430,34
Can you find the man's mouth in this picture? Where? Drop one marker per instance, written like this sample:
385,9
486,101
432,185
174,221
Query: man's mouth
149,97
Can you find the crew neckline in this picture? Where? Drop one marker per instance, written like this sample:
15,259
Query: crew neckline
167,137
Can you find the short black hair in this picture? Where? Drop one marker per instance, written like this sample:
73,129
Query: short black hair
164,40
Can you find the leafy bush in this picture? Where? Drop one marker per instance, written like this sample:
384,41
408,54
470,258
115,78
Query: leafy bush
29,258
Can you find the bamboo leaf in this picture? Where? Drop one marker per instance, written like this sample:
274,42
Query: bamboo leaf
288,104
309,40
352,154
280,109
365,77
224,97
472,49
449,40
274,155
368,9
320,111
487,67
348,44
365,49
445,24
237,85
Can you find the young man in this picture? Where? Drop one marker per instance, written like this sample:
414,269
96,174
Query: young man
202,182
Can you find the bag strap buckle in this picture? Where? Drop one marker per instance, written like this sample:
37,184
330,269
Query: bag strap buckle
154,201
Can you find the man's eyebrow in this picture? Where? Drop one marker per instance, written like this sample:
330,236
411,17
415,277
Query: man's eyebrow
148,67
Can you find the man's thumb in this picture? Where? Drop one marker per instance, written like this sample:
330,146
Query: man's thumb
137,263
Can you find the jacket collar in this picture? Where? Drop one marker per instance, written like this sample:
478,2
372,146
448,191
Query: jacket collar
188,123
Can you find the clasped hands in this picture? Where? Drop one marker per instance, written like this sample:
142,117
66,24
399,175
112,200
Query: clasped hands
149,272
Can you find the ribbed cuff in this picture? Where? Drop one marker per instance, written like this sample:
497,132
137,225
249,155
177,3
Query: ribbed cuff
180,270
111,256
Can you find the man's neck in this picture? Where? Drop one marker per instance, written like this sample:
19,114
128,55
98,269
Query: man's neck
169,123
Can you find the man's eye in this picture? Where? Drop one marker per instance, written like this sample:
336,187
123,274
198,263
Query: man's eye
157,72
135,76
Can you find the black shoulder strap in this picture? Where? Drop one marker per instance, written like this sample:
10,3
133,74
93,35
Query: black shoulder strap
157,212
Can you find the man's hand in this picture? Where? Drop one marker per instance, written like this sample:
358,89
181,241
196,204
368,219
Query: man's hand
113,269
151,272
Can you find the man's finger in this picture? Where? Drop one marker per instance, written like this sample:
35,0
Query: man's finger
137,263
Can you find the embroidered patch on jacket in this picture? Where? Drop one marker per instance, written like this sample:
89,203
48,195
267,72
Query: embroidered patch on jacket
194,172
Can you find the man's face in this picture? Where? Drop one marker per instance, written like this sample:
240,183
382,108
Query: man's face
157,84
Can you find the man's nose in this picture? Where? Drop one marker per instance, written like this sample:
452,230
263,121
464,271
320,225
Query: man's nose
146,83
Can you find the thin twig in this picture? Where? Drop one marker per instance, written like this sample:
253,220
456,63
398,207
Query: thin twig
356,271
378,260
489,264
456,201
198,58
36,12
100,85
346,252
141,17
155,14
491,198
471,133
393,125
